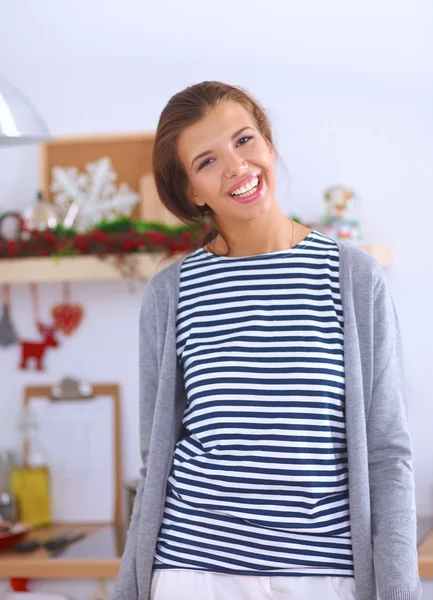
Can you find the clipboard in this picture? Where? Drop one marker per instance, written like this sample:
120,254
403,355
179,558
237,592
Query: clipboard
79,431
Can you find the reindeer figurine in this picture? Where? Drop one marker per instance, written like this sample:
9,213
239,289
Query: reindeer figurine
36,350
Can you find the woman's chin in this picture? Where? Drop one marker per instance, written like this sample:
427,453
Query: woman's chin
257,209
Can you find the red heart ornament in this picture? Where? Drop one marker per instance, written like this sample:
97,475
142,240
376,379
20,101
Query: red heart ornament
67,317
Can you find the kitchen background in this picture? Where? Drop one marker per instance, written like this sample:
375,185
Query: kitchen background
349,89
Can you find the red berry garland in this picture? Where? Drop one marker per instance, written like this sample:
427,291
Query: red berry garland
35,243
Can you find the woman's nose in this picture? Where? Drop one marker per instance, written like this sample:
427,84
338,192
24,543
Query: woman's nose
235,167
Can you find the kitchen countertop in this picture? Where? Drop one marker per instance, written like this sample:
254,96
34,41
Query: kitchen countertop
97,556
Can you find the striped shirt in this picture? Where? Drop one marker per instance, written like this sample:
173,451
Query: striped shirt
259,483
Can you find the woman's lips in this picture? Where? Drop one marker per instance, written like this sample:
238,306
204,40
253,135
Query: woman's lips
244,181
250,197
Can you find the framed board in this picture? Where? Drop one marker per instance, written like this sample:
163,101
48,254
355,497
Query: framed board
79,433
130,155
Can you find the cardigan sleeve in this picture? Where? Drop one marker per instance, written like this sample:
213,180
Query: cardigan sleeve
392,487
126,583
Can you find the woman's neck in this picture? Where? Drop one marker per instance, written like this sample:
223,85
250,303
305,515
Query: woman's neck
270,238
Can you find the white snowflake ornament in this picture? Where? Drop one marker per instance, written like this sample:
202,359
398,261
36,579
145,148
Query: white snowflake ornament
84,198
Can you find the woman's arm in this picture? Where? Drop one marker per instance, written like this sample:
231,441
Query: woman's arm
126,583
390,460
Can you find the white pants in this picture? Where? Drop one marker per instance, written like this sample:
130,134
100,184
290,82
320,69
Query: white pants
183,584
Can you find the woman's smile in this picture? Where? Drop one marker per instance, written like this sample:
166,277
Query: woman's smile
249,192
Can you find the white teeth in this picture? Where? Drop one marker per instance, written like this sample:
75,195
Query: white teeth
246,188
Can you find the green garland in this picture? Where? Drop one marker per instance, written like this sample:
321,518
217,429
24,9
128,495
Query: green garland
123,235
127,224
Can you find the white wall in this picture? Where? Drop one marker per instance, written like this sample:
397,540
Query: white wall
349,87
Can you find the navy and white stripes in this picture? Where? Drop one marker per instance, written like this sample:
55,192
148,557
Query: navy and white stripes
260,482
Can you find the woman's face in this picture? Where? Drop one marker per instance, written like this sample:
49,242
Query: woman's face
220,154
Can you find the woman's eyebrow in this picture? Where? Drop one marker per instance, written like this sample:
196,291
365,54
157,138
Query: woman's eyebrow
210,151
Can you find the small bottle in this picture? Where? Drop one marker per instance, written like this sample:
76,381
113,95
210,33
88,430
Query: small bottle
30,480
8,510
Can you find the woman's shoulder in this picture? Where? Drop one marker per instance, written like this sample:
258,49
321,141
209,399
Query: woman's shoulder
358,266
357,257
166,276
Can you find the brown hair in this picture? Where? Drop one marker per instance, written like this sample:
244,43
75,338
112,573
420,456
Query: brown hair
182,110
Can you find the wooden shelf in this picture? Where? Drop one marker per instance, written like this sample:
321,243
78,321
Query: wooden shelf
92,268
425,551
77,268
381,252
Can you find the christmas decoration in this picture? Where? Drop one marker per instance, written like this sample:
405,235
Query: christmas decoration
11,224
8,337
36,350
120,236
40,215
341,219
67,316
86,198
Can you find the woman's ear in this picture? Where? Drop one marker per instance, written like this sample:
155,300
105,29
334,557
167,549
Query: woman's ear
198,201
193,196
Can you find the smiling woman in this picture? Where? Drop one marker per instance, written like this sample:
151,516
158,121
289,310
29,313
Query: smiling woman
274,442
214,158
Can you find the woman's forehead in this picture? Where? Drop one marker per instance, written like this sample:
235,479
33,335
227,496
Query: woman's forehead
218,125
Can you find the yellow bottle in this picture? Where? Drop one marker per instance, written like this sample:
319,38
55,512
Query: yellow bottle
32,490
30,481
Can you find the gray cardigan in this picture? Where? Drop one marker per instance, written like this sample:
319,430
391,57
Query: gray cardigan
381,485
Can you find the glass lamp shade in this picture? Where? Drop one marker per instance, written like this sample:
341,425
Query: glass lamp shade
19,121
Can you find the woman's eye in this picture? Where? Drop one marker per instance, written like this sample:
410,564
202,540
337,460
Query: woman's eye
242,139
246,137
204,163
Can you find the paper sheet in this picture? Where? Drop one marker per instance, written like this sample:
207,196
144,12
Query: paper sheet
77,438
